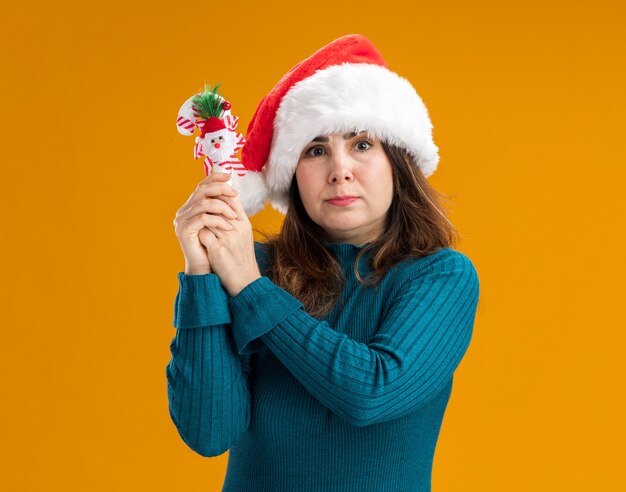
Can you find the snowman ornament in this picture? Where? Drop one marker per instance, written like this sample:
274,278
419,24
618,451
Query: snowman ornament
218,142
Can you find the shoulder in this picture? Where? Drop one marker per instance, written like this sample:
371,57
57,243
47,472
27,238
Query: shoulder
445,276
444,261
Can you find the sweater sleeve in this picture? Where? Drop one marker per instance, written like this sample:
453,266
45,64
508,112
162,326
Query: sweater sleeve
207,382
410,359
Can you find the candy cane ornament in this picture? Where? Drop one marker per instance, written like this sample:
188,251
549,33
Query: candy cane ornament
219,141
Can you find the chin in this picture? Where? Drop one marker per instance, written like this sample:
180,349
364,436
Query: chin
343,226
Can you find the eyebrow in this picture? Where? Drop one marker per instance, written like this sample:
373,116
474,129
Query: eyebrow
346,136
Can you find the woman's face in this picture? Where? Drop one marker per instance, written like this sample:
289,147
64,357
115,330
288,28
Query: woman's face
354,165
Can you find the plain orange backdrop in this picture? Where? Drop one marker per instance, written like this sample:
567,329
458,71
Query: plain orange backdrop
527,101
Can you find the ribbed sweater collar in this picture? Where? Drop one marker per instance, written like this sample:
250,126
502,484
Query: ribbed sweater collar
346,254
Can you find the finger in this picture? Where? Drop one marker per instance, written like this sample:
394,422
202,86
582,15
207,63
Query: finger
216,222
207,237
218,233
203,235
211,178
201,192
212,206
217,176
216,188
211,190
236,205
201,221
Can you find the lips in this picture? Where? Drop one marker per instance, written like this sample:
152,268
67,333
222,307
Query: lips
342,201
342,197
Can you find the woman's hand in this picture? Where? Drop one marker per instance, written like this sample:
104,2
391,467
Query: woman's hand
231,252
206,207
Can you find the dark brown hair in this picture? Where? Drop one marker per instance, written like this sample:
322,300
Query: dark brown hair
416,226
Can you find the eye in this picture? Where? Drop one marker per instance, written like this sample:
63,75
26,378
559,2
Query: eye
363,145
314,151
221,138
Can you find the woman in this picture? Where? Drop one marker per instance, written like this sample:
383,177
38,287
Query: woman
323,358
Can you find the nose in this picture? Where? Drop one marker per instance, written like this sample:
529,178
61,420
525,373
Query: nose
341,168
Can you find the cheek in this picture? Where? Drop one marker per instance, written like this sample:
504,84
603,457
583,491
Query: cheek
306,184
309,177
379,174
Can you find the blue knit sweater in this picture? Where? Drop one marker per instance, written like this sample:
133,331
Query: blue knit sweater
353,401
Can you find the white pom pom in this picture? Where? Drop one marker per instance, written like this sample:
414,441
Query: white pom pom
252,190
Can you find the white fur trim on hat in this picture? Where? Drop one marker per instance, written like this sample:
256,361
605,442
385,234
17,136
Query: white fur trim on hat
343,98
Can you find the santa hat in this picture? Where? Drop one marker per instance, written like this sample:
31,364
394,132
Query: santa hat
344,86
212,125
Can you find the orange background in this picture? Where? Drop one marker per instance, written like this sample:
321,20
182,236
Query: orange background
528,106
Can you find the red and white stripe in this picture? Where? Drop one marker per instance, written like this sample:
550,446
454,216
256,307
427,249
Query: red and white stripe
234,165
231,122
208,165
185,125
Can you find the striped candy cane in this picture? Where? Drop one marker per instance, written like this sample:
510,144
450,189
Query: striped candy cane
188,120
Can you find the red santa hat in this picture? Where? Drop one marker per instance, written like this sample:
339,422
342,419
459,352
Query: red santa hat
212,125
344,86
